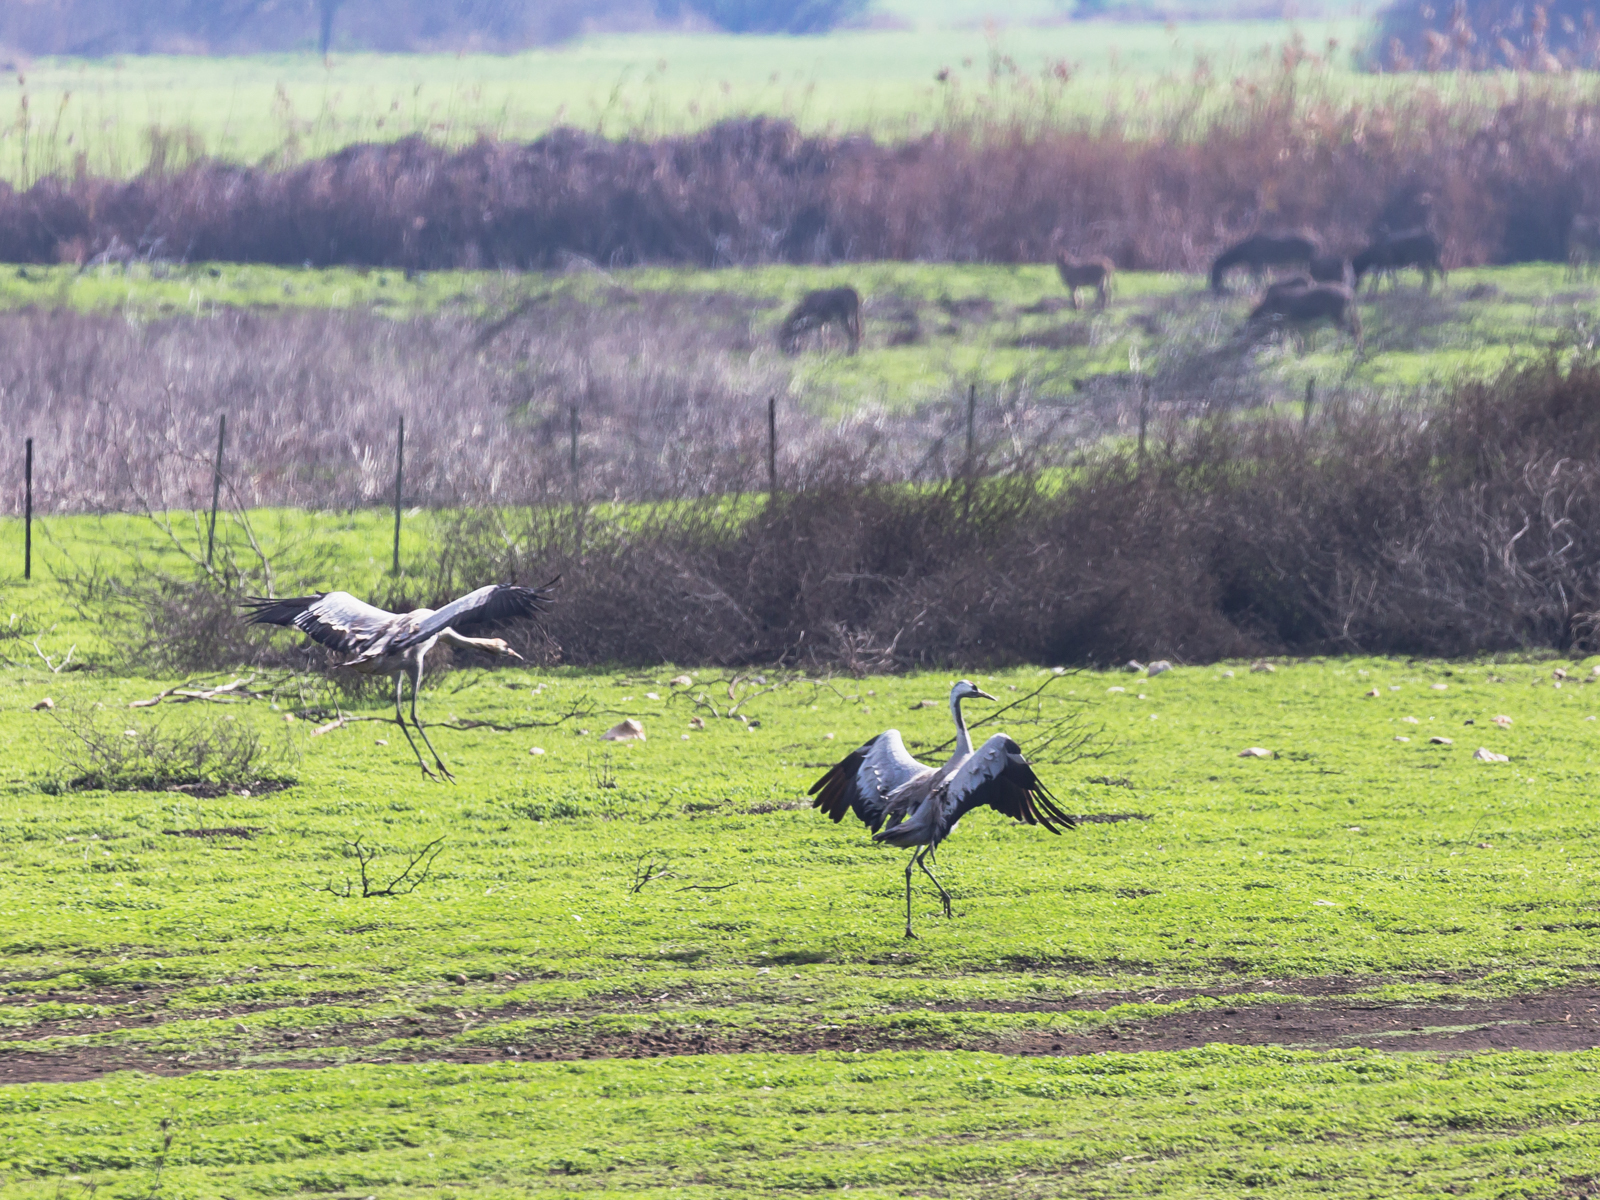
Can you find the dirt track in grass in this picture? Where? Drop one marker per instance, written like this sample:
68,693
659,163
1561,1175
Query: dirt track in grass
1331,1015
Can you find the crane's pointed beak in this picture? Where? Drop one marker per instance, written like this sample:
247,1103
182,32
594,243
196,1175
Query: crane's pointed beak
513,654
985,695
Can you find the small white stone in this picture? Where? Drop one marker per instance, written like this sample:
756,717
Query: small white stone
1402,739
624,731
1116,689
684,736
1441,687
1411,720
1160,667
1255,752
1440,741
651,696
681,681
1484,754
1503,721
1227,674
380,741
536,751
1263,666
1374,692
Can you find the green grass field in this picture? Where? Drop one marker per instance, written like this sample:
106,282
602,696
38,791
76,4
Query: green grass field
296,106
1390,928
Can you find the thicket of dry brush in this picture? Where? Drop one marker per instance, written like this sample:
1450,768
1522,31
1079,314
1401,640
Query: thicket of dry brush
1506,164
1465,524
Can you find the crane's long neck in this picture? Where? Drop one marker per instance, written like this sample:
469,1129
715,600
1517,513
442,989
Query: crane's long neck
963,742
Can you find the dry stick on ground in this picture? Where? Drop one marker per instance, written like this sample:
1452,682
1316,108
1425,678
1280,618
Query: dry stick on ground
578,709
49,661
646,870
227,693
401,885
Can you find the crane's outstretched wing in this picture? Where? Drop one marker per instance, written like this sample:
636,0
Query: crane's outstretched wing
862,780
998,775
335,619
482,610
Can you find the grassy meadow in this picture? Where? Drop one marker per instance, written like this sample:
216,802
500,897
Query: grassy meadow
676,903
930,328
288,107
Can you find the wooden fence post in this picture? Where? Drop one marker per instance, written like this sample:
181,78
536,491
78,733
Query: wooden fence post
972,420
772,447
572,454
1311,399
216,487
1144,413
399,484
27,510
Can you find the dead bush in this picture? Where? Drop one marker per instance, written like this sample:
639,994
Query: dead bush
100,749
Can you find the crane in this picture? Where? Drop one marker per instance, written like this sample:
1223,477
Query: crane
908,804
377,642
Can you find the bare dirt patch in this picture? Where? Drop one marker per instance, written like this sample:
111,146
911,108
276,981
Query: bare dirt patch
1331,1015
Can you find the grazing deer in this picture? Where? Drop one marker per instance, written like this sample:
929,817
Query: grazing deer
1392,253
1261,251
1299,305
1093,273
1583,246
831,306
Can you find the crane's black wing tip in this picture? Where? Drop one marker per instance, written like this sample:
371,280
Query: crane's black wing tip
277,610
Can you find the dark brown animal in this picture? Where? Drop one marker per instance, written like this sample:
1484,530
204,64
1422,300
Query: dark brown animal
1078,273
1583,246
831,306
1261,251
1298,306
1332,268
1391,254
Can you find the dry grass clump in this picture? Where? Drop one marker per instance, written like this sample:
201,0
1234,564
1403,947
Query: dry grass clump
1498,167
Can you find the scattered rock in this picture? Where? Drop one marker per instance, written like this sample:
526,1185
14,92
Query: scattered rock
241,1027
1402,739
697,722
380,741
651,696
1227,674
536,751
684,736
924,704
1441,687
1485,846
1483,754
461,979
1255,752
1374,692
827,737
1134,665
1410,720
1263,666
1116,689
1469,721
681,681
1440,741
1503,721
46,703
1558,673
1594,674
1159,667
624,731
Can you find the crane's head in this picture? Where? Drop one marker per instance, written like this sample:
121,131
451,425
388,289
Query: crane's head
966,690
499,648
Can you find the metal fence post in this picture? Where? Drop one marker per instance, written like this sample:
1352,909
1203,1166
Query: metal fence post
216,487
27,511
399,483
772,446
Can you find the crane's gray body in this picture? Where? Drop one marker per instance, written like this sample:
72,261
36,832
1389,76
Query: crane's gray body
908,804
376,642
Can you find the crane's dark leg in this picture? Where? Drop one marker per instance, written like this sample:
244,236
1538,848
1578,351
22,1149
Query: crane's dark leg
944,896
400,720
416,681
909,867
